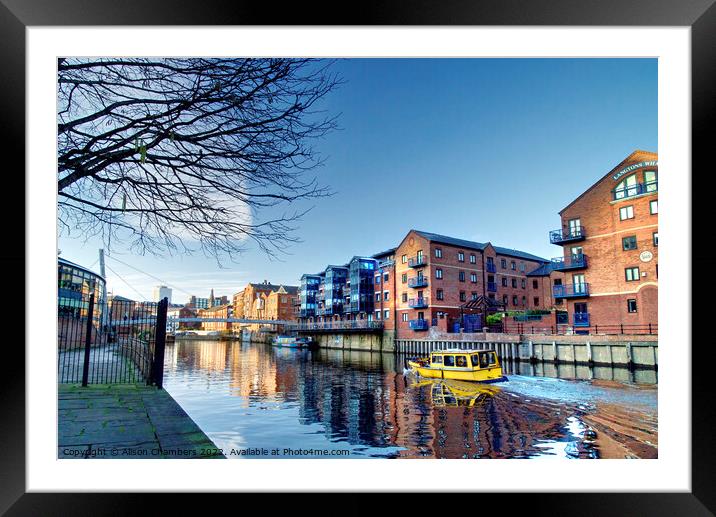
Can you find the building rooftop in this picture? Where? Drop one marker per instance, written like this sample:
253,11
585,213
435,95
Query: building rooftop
543,270
444,239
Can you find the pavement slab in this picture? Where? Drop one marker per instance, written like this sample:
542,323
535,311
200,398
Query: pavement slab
126,421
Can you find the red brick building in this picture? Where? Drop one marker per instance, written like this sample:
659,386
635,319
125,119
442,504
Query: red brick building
610,238
385,289
219,311
436,275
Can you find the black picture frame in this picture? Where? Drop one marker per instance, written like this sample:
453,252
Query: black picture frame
700,15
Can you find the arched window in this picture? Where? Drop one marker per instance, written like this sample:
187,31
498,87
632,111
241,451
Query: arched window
626,188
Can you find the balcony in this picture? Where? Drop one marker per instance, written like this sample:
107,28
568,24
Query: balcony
581,319
418,303
417,261
491,268
634,190
571,263
571,291
566,235
492,287
419,324
420,281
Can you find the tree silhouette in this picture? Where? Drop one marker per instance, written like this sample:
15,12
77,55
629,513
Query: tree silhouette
185,154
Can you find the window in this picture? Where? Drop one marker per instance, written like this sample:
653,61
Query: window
514,282
654,207
535,284
449,360
386,315
377,279
404,259
557,281
650,183
536,301
377,297
631,305
577,251
503,263
461,256
386,277
524,283
462,296
437,359
504,281
473,278
632,274
404,278
438,253
513,266
505,299
377,315
438,273
522,267
473,258
386,295
405,316
461,276
514,300
405,297
524,300
474,295
655,238
626,212
439,294
626,188
629,243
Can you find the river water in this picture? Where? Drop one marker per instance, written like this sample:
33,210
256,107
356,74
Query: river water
258,401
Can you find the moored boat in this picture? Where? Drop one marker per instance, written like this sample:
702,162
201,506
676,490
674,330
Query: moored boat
462,365
292,341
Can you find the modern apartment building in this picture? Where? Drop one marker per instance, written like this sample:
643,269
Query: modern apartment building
610,238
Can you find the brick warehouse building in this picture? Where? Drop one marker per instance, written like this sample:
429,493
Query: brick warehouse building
425,281
610,239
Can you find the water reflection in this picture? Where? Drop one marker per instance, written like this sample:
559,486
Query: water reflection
256,396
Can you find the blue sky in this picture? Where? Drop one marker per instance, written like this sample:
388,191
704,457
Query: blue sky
480,149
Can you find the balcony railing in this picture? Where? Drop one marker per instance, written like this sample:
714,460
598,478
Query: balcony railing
581,319
491,268
419,281
419,324
338,325
563,235
634,190
417,261
571,291
573,262
492,287
418,303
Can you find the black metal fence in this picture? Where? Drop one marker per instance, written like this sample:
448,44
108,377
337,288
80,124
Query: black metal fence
539,328
122,342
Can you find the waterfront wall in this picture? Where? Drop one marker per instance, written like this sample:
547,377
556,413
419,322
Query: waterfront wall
640,351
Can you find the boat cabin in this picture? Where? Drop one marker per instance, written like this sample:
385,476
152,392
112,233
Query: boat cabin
472,359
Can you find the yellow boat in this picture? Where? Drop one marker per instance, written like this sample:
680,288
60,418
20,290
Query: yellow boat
450,393
461,365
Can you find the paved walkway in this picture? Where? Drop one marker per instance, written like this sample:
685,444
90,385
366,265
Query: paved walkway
127,421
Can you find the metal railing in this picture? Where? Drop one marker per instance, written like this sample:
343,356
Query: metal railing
581,319
418,303
123,344
571,291
573,262
419,281
567,234
634,190
337,325
490,267
615,329
492,287
417,261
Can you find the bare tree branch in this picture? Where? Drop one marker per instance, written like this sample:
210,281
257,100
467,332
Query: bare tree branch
169,152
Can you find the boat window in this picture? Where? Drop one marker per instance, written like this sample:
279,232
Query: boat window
493,358
475,360
449,360
462,361
437,359
484,360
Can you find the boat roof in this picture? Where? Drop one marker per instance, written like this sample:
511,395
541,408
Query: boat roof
459,350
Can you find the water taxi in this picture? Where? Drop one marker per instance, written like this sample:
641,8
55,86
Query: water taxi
461,365
292,341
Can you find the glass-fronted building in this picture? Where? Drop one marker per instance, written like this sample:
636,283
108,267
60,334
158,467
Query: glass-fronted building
334,286
308,295
74,286
361,273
